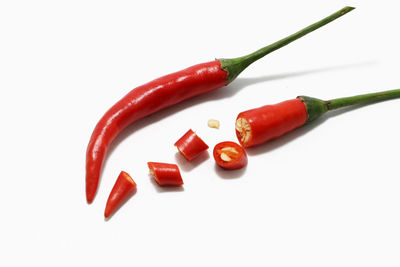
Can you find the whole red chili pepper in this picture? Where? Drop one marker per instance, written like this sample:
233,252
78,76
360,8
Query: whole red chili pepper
259,125
190,145
169,90
123,188
165,174
230,155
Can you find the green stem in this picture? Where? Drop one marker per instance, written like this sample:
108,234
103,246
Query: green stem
316,107
362,99
235,66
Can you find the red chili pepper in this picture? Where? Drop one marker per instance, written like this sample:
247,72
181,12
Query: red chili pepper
259,125
190,145
230,155
256,126
123,188
165,174
169,90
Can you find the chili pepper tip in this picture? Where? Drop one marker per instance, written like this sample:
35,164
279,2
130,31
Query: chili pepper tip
123,188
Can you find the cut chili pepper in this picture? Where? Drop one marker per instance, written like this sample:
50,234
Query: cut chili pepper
169,90
123,188
230,155
165,174
190,145
259,125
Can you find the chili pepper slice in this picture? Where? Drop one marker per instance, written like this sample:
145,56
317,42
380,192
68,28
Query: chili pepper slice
165,174
259,125
230,155
190,145
169,90
123,188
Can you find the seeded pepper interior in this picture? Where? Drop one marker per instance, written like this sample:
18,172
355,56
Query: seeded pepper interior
230,155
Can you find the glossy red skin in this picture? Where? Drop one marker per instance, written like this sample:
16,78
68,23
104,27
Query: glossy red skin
238,160
190,145
166,174
143,101
272,121
123,188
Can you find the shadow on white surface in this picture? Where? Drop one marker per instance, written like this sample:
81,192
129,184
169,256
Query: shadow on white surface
186,165
165,189
229,174
240,83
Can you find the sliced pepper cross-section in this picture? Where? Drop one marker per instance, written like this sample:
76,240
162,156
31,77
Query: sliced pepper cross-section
230,155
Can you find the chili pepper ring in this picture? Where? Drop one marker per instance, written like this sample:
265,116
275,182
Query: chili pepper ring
229,155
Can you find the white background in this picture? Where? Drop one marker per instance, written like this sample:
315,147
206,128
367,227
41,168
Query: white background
327,194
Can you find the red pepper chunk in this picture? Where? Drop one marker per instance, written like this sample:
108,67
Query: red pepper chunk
123,188
230,155
259,125
190,145
165,174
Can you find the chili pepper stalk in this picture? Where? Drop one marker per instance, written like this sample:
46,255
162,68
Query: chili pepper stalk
259,125
169,90
235,66
316,107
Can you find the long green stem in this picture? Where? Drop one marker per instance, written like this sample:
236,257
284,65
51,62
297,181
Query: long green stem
362,99
316,107
235,66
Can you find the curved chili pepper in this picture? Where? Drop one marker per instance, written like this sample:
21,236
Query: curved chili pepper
230,155
123,188
165,174
169,90
190,145
259,125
